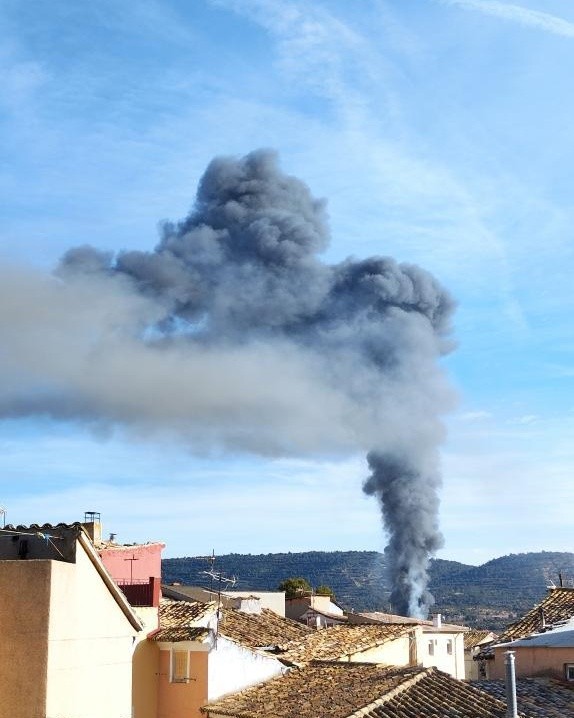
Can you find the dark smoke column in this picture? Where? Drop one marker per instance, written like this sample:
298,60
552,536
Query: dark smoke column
261,346
409,505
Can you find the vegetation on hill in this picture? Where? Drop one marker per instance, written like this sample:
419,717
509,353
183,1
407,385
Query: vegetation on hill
487,596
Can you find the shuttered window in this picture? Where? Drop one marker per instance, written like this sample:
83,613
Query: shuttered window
179,666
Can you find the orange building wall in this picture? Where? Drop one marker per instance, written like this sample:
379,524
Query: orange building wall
532,662
145,670
182,700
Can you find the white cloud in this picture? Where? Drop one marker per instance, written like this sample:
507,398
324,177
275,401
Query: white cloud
518,14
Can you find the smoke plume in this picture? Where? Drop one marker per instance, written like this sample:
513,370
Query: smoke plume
232,334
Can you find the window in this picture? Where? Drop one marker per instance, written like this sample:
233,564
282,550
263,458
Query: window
179,666
431,647
449,646
569,671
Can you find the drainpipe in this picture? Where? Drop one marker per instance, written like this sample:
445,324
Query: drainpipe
511,709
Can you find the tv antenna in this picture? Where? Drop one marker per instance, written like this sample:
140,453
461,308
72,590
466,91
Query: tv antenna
222,581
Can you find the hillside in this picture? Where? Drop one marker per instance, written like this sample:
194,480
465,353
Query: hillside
488,596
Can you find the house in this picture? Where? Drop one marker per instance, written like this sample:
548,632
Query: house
136,568
438,644
68,631
274,600
548,654
475,641
349,690
389,644
202,651
314,610
540,654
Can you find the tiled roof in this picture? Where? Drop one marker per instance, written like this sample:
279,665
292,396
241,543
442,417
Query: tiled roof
342,690
183,633
257,630
556,607
476,637
436,695
535,697
336,616
379,617
177,619
338,642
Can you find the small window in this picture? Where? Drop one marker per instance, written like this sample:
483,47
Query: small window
449,646
179,667
569,671
431,647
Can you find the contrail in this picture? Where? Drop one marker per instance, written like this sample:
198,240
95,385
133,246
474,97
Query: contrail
234,335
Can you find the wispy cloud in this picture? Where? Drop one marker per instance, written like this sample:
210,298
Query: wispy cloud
518,14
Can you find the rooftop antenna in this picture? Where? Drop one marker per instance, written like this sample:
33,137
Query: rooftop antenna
220,579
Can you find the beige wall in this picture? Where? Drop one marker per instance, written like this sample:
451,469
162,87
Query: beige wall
90,645
532,662
393,653
24,609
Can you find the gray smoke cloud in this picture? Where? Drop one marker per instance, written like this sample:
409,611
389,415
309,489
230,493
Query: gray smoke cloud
234,335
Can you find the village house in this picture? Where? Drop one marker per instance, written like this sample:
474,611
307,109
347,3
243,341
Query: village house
349,690
438,644
475,641
202,651
273,600
542,640
388,644
315,610
68,631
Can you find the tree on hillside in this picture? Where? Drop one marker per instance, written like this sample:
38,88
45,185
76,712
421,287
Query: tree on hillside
295,587
325,591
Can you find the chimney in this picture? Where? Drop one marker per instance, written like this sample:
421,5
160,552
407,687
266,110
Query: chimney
511,708
93,526
437,620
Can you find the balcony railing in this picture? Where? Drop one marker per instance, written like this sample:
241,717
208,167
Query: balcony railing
140,592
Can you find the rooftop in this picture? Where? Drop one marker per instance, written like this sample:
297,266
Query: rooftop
476,637
558,606
258,630
339,642
427,625
345,690
177,621
536,697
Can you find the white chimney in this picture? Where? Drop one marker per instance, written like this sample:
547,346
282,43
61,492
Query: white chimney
437,620
511,707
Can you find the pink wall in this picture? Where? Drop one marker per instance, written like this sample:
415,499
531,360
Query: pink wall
148,563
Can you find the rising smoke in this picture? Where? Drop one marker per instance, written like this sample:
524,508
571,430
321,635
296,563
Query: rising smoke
233,334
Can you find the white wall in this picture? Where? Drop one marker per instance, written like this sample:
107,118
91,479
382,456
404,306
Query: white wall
233,667
90,645
452,664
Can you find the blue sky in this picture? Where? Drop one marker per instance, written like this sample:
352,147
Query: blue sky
439,131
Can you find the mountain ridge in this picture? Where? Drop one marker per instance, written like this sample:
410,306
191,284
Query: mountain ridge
487,596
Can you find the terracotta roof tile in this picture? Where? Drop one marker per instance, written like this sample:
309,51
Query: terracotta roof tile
436,694
556,607
536,697
257,630
339,641
476,637
342,690
177,619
